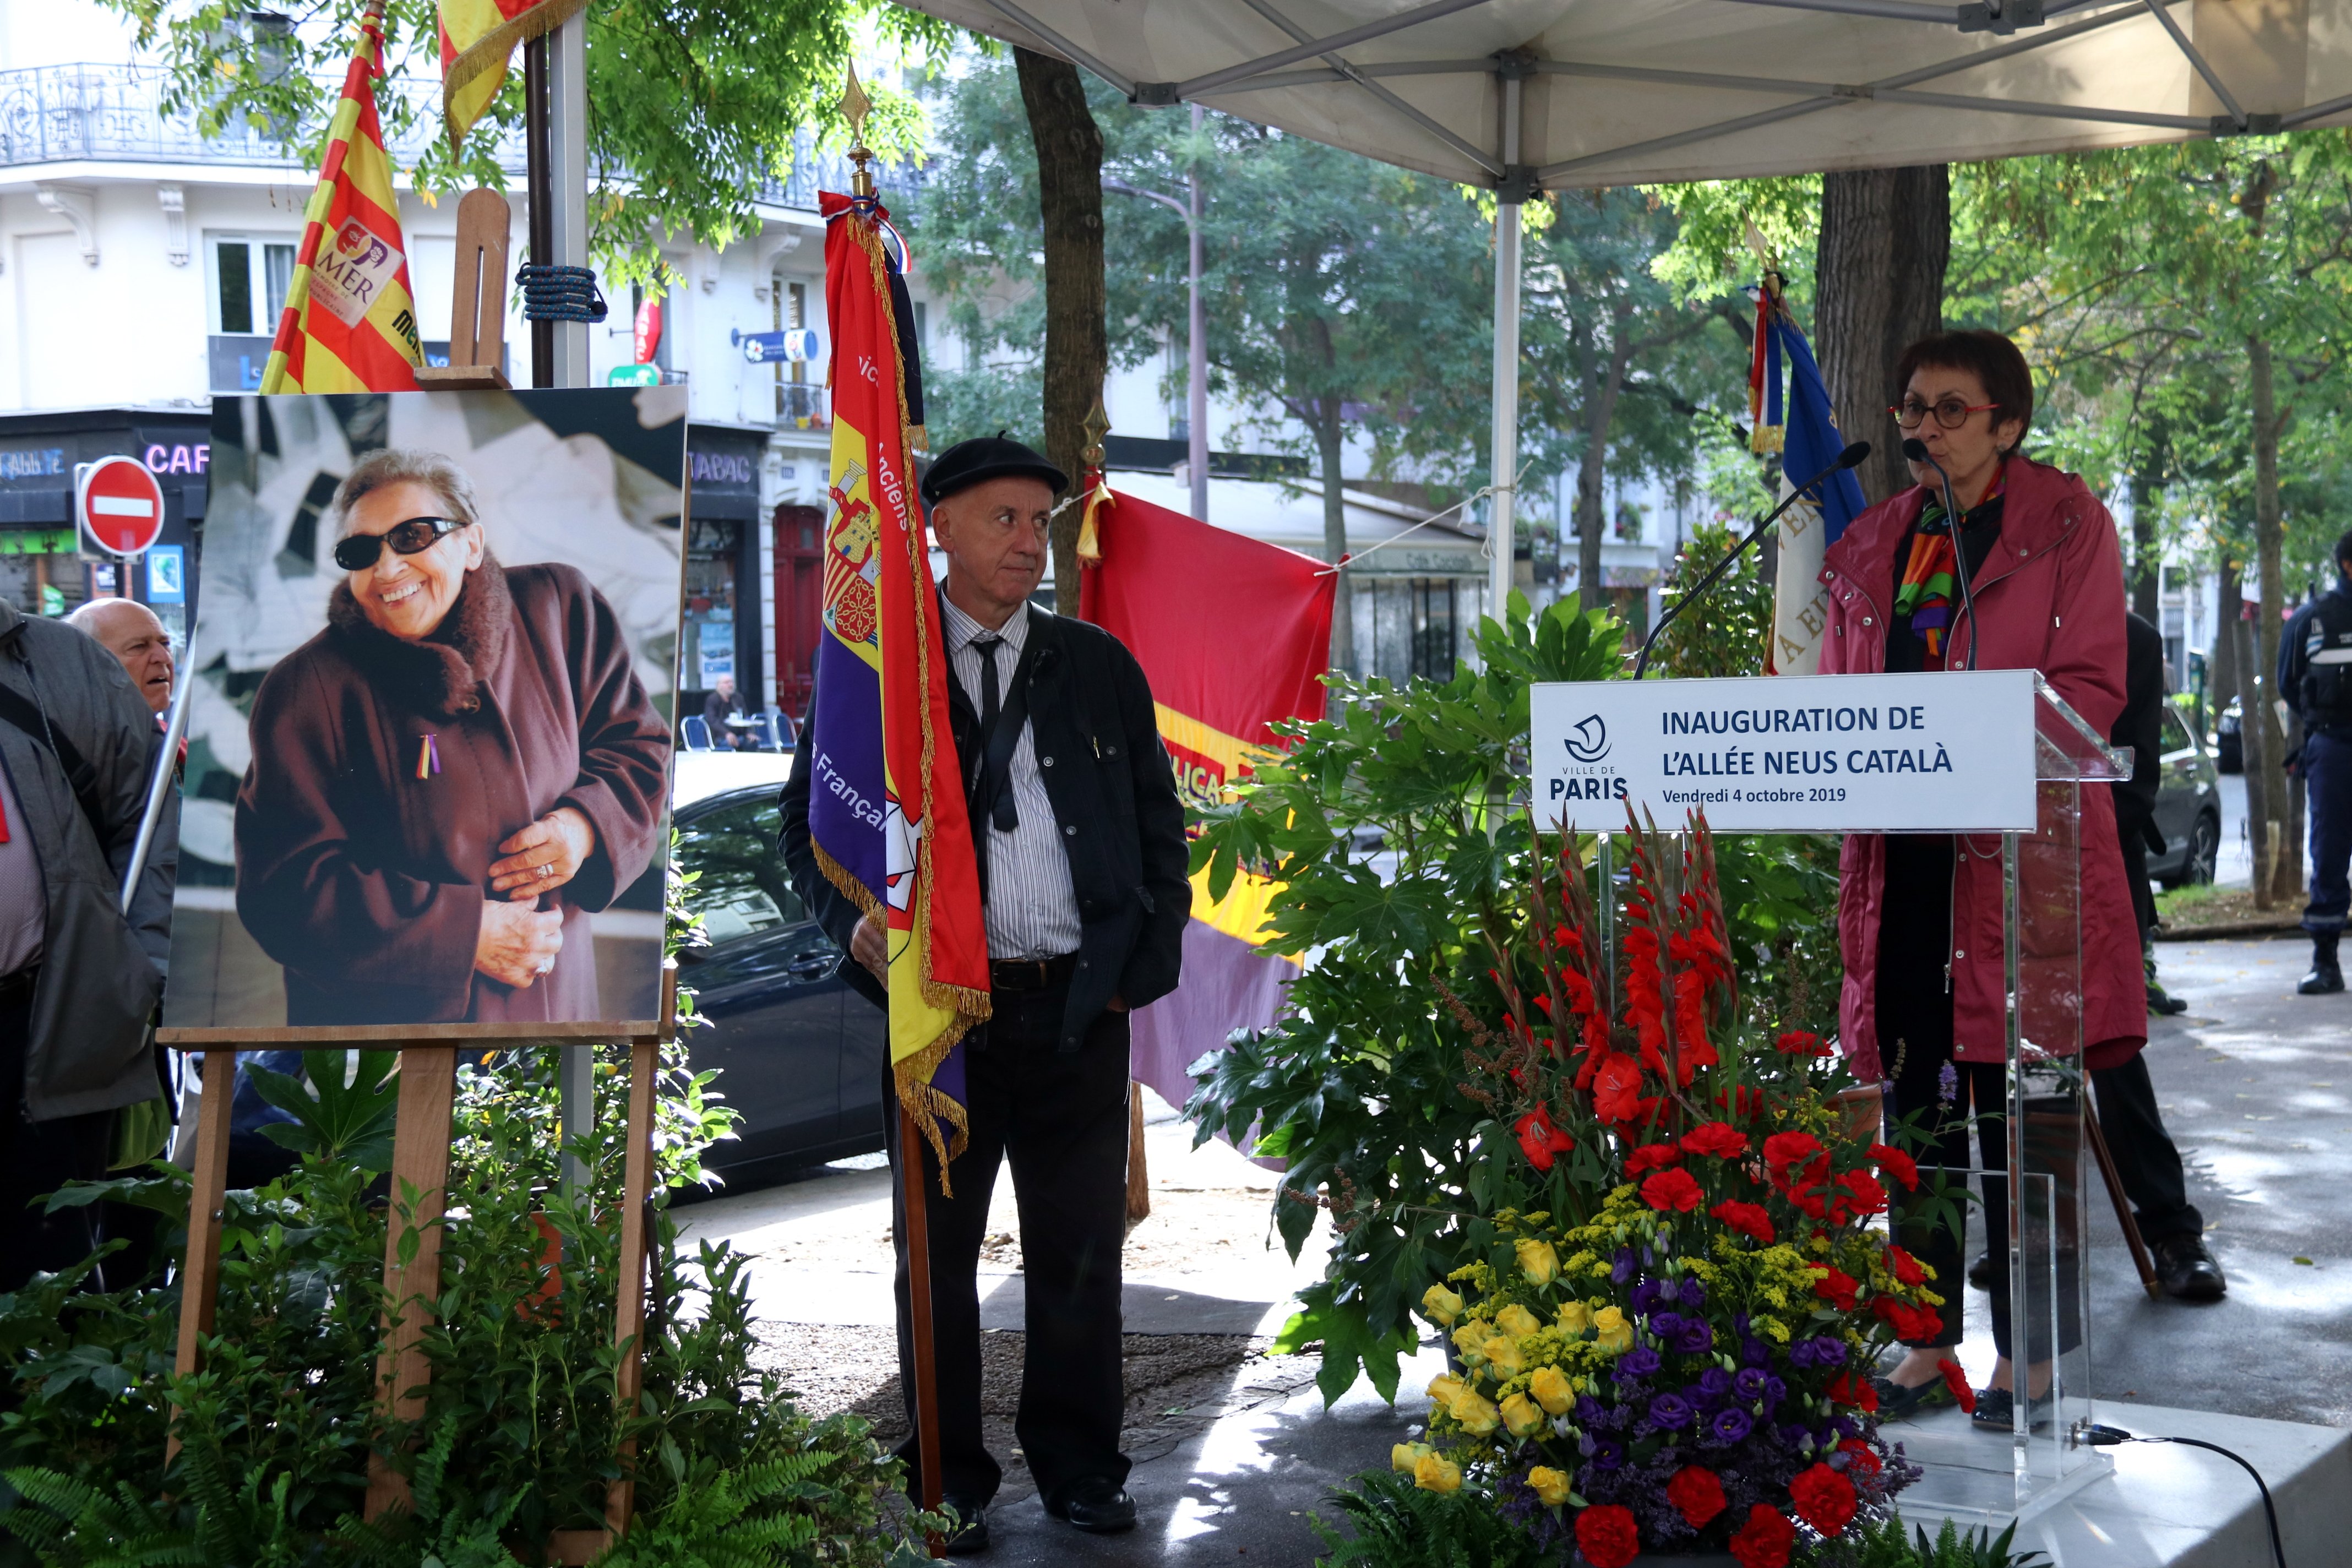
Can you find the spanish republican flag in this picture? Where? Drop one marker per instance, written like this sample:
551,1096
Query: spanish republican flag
477,40
350,324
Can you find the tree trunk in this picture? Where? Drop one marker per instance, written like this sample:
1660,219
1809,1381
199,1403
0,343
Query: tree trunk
1604,382
1330,446
2144,492
2270,535
2252,734
2221,669
1078,346
1885,240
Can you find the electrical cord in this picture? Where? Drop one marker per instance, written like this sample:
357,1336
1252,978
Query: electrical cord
560,294
2104,1437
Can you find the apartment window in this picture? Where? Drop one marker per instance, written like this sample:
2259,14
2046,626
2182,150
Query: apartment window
250,277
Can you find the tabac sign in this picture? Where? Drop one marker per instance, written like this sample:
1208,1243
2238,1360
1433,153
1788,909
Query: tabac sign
1948,751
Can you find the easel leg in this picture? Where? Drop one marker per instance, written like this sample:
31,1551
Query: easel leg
2123,1215
420,1163
919,1307
629,1312
200,1270
1139,1172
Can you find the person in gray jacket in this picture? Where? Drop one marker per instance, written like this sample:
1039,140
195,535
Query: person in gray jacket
78,981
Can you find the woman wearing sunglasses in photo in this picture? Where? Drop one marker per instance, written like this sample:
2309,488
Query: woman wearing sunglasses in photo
447,780
1919,915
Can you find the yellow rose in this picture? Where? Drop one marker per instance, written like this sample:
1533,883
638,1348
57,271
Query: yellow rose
1444,1389
1517,1321
1503,1356
1552,1390
1474,1415
1550,1486
1405,1457
1538,1261
1575,1317
1616,1333
1521,1415
1442,1306
1432,1474
1470,1338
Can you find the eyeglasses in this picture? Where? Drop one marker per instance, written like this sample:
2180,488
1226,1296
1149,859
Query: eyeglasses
359,552
1951,413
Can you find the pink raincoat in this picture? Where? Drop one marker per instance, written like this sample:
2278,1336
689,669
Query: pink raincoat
2049,597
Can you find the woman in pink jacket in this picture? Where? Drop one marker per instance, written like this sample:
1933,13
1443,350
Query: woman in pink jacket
1919,918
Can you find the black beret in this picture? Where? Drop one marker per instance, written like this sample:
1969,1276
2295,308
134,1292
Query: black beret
967,463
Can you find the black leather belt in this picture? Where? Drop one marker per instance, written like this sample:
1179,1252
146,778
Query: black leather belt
1030,974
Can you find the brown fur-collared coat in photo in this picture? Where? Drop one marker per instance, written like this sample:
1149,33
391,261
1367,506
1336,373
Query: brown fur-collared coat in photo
366,882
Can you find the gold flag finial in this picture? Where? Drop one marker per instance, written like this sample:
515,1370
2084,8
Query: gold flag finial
1098,426
855,107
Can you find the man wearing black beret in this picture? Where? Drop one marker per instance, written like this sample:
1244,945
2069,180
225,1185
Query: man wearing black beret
1080,838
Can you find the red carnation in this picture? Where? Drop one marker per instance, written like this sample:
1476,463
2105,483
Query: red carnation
1798,1043
1716,1139
1698,1493
1860,1460
1608,1536
1836,1287
1856,1392
1765,1540
1650,1157
1747,1219
1785,1150
1540,1141
1907,1269
1863,1191
1911,1324
1897,1165
1957,1382
1672,1189
1825,1498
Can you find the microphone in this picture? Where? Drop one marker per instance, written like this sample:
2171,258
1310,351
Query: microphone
1915,450
1851,457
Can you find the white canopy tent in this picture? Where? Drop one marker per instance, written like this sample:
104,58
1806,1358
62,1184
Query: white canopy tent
1527,95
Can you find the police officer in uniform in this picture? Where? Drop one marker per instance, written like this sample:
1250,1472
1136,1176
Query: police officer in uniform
2315,673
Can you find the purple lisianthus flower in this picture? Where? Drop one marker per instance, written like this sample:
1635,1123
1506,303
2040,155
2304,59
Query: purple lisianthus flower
1639,1362
1823,1351
1730,1425
1608,1454
1846,1426
1665,1324
1749,1383
1670,1412
1694,1292
1775,1390
1591,1412
1754,1352
1623,1268
1795,1435
1646,1295
1585,1444
1693,1336
1713,1385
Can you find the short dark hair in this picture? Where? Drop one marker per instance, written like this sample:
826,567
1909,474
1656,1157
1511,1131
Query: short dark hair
1990,357
2344,547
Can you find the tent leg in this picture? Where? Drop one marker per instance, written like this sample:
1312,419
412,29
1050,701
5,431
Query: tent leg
1505,464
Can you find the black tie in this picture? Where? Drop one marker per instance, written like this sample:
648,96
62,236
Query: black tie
1004,816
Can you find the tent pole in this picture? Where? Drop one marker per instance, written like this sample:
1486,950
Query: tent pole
1505,462
1196,390
567,70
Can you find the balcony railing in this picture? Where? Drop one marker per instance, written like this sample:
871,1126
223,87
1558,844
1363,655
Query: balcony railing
802,407
114,113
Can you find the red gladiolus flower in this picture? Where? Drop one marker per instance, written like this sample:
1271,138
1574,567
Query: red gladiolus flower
1907,1269
1860,1460
1650,1157
1540,1141
1543,1001
1672,1189
1957,1382
1716,1139
1697,1492
1895,1164
1836,1287
1825,1498
1606,1535
1747,1219
1798,1043
1765,1540
1848,1389
1617,1088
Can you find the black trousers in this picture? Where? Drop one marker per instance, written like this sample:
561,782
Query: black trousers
1061,1121
2145,1156
37,1158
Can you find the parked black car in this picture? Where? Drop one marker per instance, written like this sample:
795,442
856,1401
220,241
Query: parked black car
801,1055
2187,808
2229,742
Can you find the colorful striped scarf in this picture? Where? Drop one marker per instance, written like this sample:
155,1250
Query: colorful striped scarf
1931,576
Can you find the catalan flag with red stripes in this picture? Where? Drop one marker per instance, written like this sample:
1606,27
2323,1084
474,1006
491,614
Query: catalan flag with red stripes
349,324
478,41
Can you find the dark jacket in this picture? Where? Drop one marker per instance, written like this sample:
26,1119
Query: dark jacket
101,975
2333,636
1122,823
2141,728
367,882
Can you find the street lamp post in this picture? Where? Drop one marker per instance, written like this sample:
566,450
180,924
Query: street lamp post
1196,369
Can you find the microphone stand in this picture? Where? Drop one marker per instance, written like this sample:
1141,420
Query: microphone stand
1959,544
1642,662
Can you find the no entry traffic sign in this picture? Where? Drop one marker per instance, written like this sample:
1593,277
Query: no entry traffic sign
118,505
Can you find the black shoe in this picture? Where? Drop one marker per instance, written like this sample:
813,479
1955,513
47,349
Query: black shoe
1997,1409
970,1536
2163,1004
2186,1269
2326,978
1897,1403
1983,1272
1098,1506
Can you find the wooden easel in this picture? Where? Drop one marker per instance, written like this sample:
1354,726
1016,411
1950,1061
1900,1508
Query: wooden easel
477,306
420,1161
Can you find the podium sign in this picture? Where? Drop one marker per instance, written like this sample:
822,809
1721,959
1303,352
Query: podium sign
1940,751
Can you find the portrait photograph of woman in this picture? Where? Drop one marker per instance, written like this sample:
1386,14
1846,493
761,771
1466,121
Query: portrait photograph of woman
430,741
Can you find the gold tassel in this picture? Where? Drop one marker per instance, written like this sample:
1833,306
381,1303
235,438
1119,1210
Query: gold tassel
1100,498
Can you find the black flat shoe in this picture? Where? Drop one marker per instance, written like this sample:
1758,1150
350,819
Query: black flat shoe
1096,1506
2186,1270
1983,1272
970,1537
1897,1403
1996,1410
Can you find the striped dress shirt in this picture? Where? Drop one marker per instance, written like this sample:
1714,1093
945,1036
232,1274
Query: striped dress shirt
1032,908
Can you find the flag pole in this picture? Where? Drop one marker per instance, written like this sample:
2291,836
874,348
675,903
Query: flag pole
538,186
919,1312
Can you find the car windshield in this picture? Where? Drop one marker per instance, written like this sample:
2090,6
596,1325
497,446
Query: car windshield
743,889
